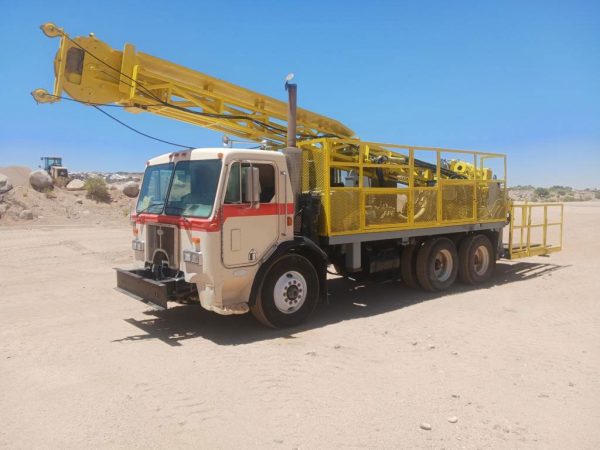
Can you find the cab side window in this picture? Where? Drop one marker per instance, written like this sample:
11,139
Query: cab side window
233,194
236,183
267,182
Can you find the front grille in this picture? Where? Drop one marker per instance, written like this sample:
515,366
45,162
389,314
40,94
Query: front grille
162,239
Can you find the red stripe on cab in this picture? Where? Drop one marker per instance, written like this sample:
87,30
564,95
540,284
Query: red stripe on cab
209,225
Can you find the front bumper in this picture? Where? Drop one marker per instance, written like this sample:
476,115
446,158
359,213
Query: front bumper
141,285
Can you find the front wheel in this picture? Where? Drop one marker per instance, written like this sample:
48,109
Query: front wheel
289,292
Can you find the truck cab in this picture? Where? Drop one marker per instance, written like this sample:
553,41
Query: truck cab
204,222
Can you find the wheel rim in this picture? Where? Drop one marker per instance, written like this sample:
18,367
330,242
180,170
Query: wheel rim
290,291
481,260
442,266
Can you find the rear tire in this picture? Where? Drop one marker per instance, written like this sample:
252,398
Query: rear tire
289,292
437,264
408,270
477,259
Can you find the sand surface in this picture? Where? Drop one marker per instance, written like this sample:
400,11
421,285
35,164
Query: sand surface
516,362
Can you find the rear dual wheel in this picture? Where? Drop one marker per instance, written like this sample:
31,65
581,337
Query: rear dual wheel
477,259
408,262
437,264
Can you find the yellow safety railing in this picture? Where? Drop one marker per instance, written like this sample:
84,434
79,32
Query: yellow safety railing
370,187
530,227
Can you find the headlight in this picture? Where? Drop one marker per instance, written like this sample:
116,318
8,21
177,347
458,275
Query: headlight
192,257
137,245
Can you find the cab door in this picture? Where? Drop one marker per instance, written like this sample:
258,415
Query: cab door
249,228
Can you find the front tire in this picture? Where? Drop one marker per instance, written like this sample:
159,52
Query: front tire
289,292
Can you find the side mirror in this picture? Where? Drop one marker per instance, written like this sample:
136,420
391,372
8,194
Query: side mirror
251,185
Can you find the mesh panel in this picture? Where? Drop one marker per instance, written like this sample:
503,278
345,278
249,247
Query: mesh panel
424,205
313,173
491,203
344,210
457,201
383,209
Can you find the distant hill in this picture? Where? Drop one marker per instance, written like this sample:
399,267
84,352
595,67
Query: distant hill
552,194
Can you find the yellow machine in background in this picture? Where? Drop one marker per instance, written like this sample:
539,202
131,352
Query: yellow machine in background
53,165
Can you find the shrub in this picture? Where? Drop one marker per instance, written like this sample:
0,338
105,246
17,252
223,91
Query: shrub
97,190
562,188
597,194
542,192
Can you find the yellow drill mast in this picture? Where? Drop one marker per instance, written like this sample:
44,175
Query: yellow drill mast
92,72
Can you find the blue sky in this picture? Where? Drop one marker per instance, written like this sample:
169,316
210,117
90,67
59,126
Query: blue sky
515,77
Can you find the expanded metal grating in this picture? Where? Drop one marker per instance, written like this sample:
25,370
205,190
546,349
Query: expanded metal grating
344,210
386,209
457,201
490,201
425,206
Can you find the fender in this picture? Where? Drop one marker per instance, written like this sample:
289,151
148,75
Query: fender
303,246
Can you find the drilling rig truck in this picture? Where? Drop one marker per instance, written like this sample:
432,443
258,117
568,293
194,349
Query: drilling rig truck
241,230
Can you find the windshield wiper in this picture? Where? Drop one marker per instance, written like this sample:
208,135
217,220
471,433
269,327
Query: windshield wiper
149,206
180,209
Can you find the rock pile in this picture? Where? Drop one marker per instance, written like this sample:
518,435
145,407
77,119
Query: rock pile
40,180
5,184
75,185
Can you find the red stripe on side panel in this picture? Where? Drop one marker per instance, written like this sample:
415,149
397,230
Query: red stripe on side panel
189,223
192,223
264,209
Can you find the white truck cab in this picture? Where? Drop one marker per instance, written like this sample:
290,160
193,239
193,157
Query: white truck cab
205,221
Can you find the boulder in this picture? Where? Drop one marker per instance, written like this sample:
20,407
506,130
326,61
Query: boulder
131,189
5,184
75,185
3,209
40,180
26,214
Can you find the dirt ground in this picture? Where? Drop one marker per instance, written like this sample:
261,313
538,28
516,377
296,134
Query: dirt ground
60,206
516,362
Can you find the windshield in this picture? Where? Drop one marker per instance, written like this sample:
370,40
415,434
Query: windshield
193,188
154,188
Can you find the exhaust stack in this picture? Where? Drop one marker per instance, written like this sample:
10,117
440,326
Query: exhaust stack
293,155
